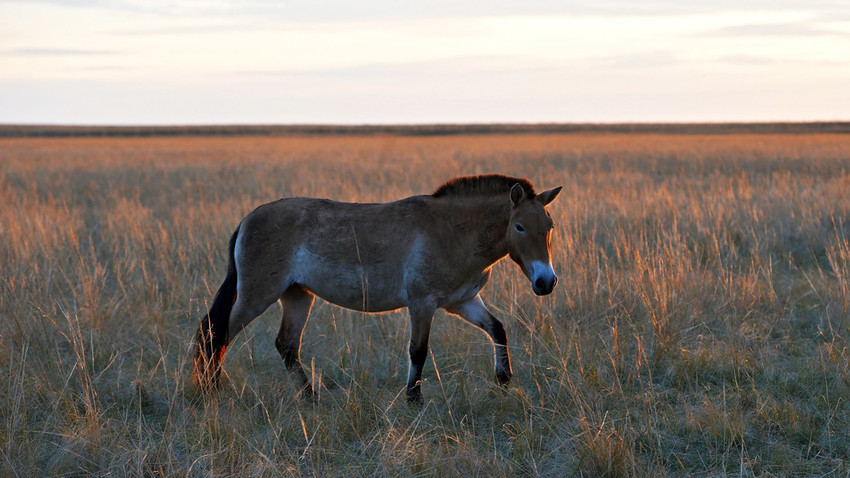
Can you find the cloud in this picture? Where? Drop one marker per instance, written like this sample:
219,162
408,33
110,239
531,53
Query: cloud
214,28
639,60
59,52
105,68
62,3
806,28
748,60
391,10
766,61
464,64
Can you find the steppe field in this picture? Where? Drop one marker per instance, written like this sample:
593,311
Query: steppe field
700,326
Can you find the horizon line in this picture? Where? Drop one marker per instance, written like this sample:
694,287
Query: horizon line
12,130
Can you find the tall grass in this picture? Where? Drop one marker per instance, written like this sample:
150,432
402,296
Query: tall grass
700,325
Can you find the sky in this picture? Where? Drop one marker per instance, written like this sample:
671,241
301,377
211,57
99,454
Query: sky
183,62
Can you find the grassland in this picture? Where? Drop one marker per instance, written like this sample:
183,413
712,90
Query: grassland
700,325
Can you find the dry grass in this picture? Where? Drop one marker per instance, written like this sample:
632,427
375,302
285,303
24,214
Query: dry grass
700,325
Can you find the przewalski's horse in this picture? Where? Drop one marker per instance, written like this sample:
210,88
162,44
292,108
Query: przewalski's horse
424,253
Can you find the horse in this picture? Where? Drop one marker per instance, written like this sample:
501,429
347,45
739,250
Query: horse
424,252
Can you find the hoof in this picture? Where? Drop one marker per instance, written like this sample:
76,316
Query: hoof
306,394
414,395
207,385
503,379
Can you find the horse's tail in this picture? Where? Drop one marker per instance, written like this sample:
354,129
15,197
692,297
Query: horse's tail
212,336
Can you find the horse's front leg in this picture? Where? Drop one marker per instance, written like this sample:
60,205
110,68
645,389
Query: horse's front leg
420,328
474,311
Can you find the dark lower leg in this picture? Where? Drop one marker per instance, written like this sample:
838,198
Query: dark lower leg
420,329
502,356
296,303
418,354
291,358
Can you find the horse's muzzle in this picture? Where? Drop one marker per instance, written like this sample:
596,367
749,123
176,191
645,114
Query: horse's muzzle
544,286
543,278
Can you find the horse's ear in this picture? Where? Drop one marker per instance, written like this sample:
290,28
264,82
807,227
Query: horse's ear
517,194
548,196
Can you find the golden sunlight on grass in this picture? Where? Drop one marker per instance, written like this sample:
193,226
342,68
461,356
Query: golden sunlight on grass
700,324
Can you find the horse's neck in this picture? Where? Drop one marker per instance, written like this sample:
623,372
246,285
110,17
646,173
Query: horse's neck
488,238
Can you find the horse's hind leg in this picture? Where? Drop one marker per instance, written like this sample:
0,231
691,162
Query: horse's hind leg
296,302
476,312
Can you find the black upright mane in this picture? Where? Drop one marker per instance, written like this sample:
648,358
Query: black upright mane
482,184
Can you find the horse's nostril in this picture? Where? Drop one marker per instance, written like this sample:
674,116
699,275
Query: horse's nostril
540,284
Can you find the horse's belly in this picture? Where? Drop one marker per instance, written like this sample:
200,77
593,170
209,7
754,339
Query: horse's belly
358,294
364,302
346,285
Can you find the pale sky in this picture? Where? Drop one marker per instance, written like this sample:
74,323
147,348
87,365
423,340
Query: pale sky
140,62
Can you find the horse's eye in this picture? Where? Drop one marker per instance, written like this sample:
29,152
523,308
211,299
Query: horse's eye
519,227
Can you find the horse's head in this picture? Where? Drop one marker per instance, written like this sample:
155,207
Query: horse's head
529,237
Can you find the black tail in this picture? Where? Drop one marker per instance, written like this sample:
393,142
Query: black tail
212,336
